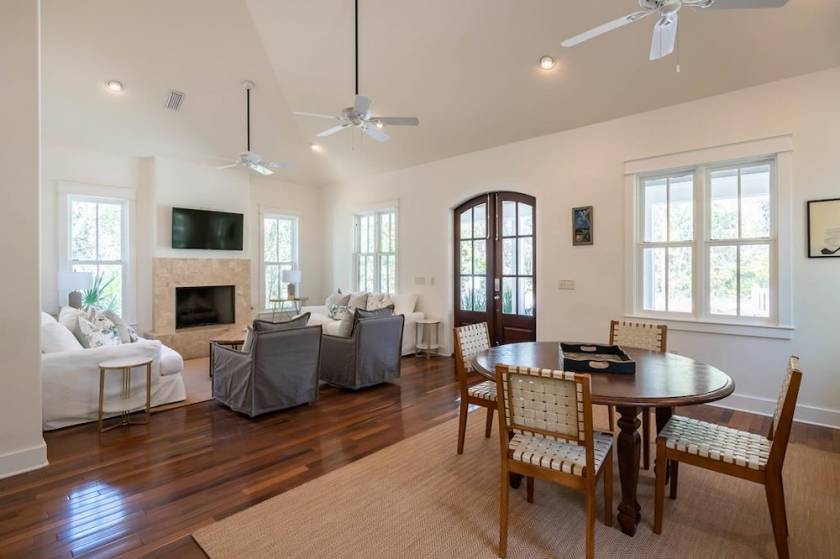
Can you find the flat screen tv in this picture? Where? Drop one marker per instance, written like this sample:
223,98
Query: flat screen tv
204,229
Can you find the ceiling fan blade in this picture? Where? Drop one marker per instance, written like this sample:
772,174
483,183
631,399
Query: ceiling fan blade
375,133
664,37
333,130
739,4
609,26
232,165
397,120
316,115
361,105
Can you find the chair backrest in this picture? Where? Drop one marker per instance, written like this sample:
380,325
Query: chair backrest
469,340
653,337
783,416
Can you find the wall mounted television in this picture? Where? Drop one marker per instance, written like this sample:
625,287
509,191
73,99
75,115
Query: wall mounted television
203,229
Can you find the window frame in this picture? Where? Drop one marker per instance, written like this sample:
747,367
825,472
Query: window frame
377,253
295,263
702,243
125,243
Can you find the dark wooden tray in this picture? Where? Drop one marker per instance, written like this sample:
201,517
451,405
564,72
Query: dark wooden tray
595,358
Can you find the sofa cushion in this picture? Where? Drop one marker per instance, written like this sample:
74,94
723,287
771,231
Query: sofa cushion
405,303
378,301
358,300
99,333
297,322
47,318
55,338
338,298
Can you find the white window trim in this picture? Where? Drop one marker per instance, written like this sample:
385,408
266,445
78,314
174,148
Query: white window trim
277,214
384,207
778,148
68,192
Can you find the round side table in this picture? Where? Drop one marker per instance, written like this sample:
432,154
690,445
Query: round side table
428,337
127,402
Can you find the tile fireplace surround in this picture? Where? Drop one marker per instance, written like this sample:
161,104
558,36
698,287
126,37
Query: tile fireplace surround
169,273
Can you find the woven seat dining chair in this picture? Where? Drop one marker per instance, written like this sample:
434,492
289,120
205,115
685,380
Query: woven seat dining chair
545,432
653,337
737,453
469,340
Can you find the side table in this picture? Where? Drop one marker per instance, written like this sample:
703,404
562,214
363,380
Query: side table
128,402
427,343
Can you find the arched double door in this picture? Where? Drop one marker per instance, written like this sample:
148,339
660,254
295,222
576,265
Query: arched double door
496,265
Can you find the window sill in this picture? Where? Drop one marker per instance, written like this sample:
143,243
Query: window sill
779,332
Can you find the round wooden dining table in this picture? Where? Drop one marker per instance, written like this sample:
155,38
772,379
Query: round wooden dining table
662,380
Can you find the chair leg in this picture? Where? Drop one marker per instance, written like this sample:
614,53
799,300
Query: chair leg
675,470
775,502
608,488
590,521
784,508
646,438
529,482
659,500
462,425
488,427
503,514
611,414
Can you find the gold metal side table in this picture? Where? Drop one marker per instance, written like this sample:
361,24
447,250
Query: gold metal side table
128,403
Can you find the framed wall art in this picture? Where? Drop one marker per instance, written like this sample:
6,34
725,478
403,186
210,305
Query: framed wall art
824,228
582,225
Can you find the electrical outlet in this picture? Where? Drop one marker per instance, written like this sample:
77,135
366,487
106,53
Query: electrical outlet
419,280
566,284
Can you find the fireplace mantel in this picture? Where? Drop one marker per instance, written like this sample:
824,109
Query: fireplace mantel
170,273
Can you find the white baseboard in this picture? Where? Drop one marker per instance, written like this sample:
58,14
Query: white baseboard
814,415
23,460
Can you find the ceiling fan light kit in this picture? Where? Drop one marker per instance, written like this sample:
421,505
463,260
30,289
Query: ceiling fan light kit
358,116
665,29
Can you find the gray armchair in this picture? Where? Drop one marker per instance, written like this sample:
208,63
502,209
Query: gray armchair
371,355
279,371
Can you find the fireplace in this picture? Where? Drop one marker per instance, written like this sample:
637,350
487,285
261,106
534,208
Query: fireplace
204,305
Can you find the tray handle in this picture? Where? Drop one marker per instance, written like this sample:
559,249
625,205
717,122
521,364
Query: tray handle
599,364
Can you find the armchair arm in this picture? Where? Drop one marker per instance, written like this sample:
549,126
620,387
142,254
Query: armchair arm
338,360
232,377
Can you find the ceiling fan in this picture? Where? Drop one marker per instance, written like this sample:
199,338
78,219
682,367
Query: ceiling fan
249,159
665,30
359,114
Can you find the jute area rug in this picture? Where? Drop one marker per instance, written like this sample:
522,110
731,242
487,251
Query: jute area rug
417,498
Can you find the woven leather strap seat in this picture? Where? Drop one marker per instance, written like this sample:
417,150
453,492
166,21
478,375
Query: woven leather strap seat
557,454
716,442
485,390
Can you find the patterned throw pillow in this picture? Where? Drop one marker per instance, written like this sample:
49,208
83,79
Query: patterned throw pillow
99,332
338,298
376,301
337,312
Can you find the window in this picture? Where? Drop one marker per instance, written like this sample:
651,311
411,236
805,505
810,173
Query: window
280,252
706,244
98,244
375,253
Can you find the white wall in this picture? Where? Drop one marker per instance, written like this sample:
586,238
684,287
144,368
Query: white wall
21,444
585,167
156,184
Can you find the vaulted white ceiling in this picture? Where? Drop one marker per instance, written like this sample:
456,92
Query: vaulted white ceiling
466,68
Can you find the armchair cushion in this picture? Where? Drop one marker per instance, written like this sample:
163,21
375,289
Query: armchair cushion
384,311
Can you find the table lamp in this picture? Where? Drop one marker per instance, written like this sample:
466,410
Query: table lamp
291,277
73,283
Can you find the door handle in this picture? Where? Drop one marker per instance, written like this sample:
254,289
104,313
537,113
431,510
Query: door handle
496,297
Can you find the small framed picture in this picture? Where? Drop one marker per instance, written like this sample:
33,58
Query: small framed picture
582,226
824,228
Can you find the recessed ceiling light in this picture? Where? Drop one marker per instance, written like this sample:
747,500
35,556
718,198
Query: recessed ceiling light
547,62
114,85
316,148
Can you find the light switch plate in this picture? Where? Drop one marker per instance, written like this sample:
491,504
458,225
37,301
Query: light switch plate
420,280
566,284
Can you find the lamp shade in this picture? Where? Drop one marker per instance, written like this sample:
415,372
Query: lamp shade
74,281
290,276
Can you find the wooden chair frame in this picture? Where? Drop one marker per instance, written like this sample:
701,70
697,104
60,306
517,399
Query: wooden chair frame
648,412
463,386
586,483
770,477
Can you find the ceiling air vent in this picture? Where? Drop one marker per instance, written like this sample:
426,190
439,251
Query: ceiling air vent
174,99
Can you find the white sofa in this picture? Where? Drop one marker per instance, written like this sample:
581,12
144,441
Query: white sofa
403,304
70,376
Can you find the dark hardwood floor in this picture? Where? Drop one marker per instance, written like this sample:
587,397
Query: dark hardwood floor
141,491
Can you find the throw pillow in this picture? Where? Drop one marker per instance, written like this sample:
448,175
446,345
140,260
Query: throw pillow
385,311
55,338
346,324
122,327
100,334
404,304
68,316
337,312
358,300
378,301
338,298
296,322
